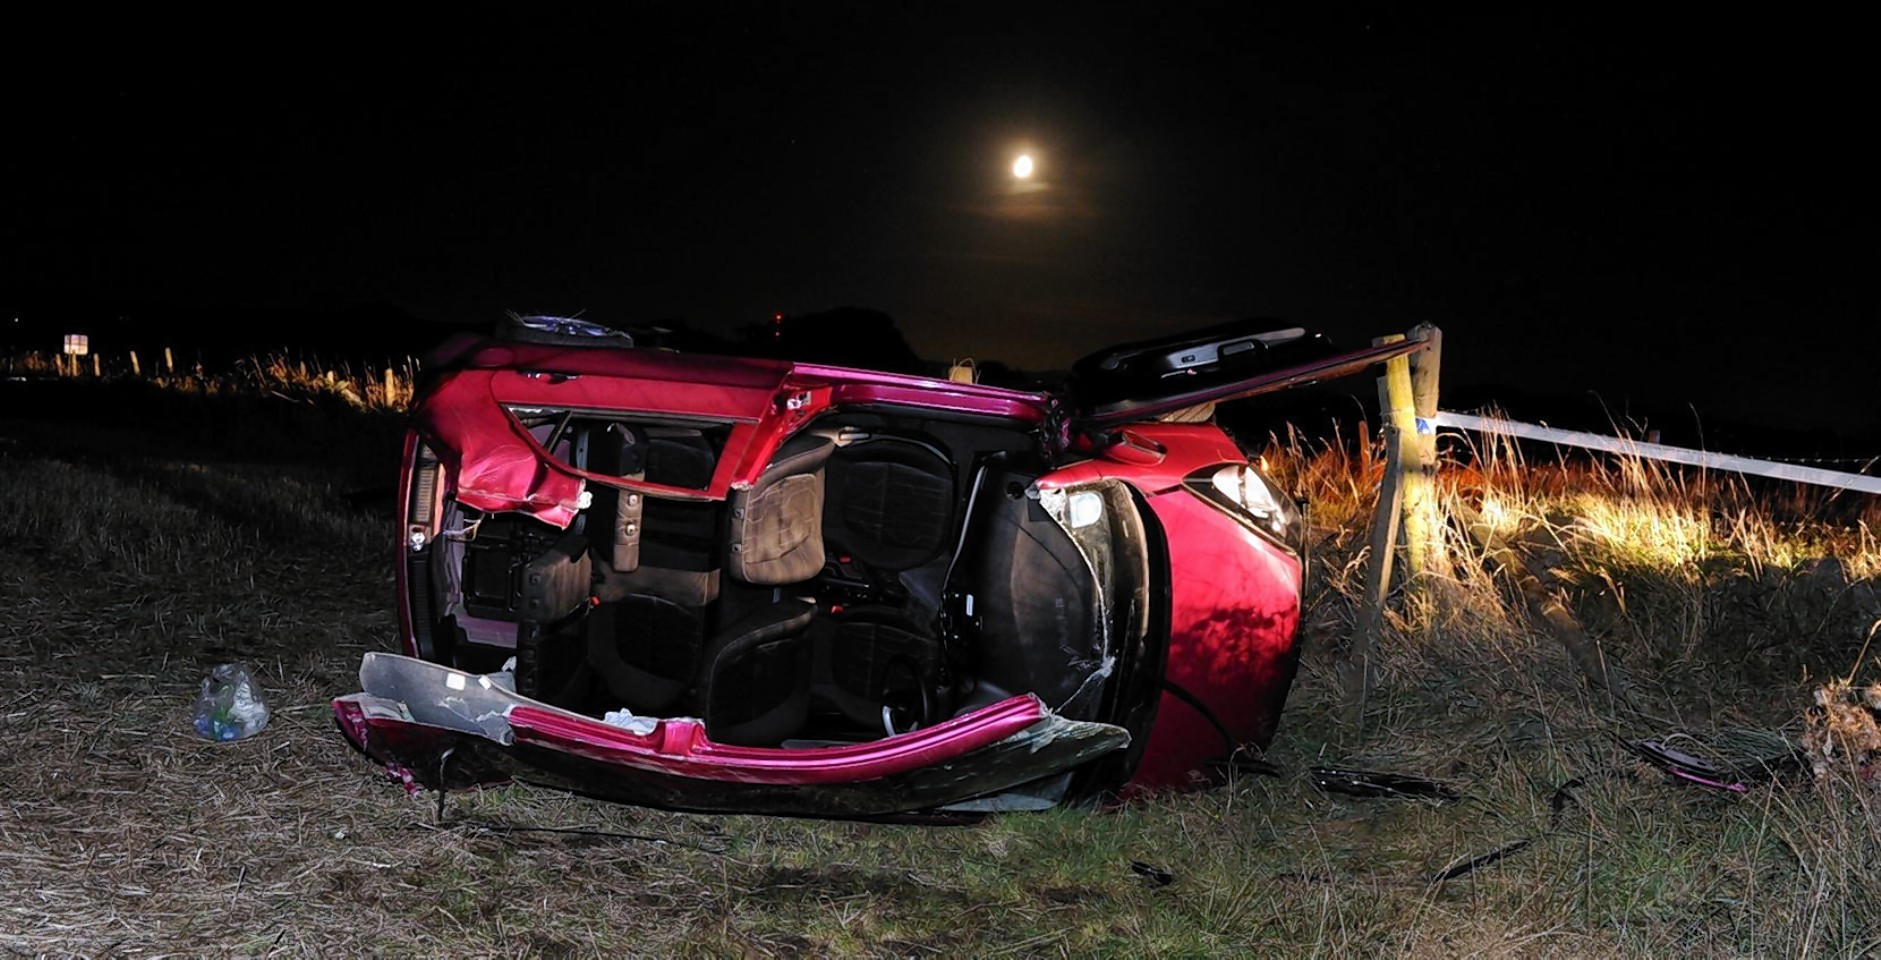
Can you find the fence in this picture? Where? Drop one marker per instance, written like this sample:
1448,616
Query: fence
1653,451
1408,511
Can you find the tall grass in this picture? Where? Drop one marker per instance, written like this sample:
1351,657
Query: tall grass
283,375
1740,615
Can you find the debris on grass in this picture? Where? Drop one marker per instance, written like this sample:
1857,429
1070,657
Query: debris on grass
1371,783
1842,733
1729,759
1156,876
1467,864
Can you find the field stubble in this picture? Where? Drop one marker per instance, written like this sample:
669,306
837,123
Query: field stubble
129,574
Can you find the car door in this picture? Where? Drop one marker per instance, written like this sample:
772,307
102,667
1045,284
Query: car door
439,726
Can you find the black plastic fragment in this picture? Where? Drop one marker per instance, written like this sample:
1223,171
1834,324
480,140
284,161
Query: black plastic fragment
1240,764
1462,867
1563,796
1156,875
1659,754
1371,783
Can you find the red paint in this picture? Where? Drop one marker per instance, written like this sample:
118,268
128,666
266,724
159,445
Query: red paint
1234,626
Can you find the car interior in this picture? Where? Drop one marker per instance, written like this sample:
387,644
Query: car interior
889,569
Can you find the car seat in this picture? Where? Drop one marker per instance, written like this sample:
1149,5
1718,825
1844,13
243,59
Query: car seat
879,663
648,637
753,683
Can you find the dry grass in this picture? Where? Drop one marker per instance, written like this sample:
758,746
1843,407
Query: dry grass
126,578
280,375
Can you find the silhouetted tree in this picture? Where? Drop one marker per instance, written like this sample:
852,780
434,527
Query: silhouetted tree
997,373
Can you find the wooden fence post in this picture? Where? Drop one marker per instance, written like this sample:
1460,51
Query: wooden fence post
1407,500
1394,398
1423,520
1395,404
1359,673
169,363
136,371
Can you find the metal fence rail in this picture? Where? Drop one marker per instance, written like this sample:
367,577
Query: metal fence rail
1655,451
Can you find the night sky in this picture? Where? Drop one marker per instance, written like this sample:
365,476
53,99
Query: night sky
1639,210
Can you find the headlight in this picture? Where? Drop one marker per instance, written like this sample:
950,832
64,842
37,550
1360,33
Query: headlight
1086,508
1247,495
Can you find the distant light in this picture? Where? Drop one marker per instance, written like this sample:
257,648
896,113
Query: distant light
1022,167
77,344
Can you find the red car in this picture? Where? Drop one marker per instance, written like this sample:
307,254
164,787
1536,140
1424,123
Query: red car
726,584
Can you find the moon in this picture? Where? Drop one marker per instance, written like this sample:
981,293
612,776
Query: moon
1022,167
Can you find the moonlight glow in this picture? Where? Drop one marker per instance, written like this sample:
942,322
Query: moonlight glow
1022,167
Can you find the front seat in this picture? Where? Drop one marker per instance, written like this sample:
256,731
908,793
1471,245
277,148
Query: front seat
891,526
892,504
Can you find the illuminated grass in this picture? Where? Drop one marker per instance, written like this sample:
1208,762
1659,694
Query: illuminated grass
1667,536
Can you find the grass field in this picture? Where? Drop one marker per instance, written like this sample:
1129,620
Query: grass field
151,534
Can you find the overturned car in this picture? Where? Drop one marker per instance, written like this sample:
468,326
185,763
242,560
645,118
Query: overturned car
728,584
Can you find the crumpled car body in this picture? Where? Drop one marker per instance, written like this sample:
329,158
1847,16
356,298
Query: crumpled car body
727,584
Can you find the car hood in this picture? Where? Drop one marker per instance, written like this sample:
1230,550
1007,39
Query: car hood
1146,380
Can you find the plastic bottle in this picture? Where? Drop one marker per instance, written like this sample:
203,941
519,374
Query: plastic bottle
230,705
